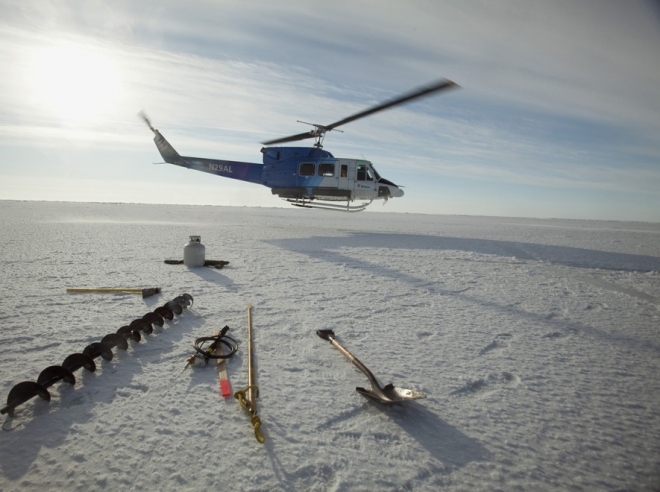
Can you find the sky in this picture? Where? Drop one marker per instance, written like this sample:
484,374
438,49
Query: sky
557,115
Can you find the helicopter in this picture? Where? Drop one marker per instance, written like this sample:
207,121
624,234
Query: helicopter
308,177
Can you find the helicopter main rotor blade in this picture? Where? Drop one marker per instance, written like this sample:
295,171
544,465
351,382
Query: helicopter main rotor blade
420,92
292,138
321,129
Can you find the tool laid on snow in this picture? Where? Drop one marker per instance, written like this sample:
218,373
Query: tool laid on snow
387,394
27,390
217,264
225,389
204,354
247,397
145,292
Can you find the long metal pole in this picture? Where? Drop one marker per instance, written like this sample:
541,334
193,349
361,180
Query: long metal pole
247,397
252,394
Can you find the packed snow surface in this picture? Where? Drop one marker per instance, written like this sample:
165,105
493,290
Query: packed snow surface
536,341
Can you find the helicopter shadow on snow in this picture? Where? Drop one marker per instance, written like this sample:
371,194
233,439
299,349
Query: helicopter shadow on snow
561,255
325,249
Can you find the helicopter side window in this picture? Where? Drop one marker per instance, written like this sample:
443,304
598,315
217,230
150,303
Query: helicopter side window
307,169
326,170
363,173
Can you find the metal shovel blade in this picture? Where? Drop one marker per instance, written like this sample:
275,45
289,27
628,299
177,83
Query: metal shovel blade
390,393
387,394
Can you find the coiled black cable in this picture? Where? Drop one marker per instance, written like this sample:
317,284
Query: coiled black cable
223,338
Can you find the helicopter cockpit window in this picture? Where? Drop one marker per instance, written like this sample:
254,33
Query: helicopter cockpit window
364,173
326,170
307,169
378,178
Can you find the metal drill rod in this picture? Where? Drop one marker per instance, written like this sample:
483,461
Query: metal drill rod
252,388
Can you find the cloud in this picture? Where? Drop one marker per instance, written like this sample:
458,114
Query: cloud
562,95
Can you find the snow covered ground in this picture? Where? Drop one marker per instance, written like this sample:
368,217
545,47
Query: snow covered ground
536,341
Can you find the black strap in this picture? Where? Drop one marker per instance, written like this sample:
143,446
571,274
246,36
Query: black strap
223,338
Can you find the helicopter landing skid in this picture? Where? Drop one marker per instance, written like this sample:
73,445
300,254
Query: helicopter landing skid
329,206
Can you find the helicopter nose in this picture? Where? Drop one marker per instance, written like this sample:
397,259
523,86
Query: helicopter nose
397,192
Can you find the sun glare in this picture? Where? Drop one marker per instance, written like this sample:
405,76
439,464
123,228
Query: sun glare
78,84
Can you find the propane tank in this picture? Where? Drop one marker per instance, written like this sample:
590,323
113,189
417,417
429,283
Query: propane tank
194,252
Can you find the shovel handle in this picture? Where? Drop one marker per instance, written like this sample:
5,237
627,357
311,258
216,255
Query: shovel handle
330,336
354,360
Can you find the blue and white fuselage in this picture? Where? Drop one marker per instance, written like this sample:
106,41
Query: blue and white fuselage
300,175
309,176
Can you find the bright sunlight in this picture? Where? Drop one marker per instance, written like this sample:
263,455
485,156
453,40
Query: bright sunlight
77,83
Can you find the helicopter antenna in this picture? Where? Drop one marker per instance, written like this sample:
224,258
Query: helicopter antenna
319,131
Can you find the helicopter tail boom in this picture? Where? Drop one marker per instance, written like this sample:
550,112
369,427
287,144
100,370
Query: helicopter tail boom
244,171
168,153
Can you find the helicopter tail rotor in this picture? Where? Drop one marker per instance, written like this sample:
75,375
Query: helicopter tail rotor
144,117
167,152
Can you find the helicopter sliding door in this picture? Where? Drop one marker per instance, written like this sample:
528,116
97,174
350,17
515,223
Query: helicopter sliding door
346,180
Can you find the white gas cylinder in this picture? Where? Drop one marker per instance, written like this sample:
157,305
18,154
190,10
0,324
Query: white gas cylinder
194,252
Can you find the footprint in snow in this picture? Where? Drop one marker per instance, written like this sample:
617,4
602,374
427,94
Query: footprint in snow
490,384
560,334
501,341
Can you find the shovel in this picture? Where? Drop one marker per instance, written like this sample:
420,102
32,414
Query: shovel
388,394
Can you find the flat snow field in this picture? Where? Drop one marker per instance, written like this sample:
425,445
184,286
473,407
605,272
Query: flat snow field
536,341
